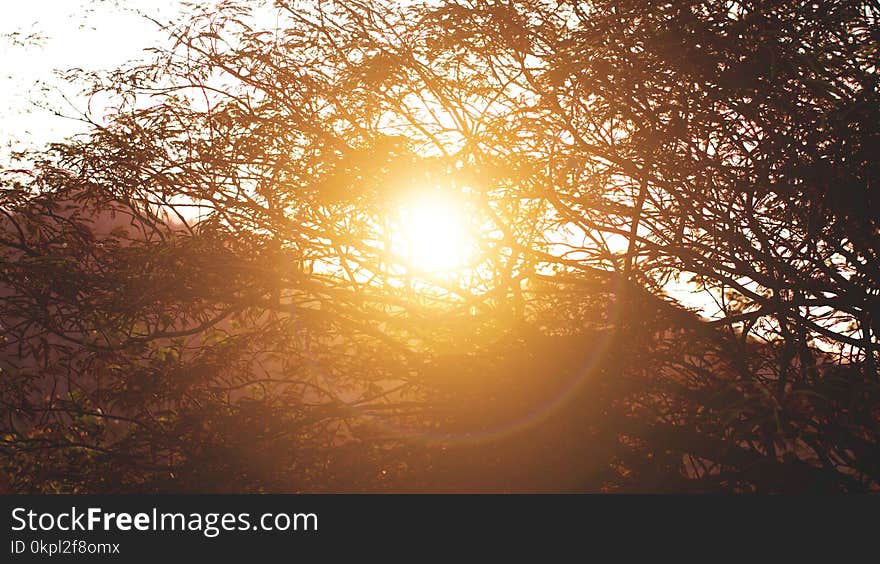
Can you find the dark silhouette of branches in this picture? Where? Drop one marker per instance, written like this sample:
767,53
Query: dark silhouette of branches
203,292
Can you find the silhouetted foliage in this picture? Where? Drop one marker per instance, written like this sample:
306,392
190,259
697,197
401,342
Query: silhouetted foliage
201,293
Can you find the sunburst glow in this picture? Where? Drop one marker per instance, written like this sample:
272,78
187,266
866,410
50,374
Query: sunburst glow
432,235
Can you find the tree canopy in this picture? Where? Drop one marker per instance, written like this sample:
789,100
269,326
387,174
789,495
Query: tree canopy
670,281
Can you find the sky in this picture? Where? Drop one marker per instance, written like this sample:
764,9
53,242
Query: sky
39,38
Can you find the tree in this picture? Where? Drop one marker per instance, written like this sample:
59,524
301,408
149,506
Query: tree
205,292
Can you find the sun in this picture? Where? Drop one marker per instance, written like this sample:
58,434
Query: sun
432,235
